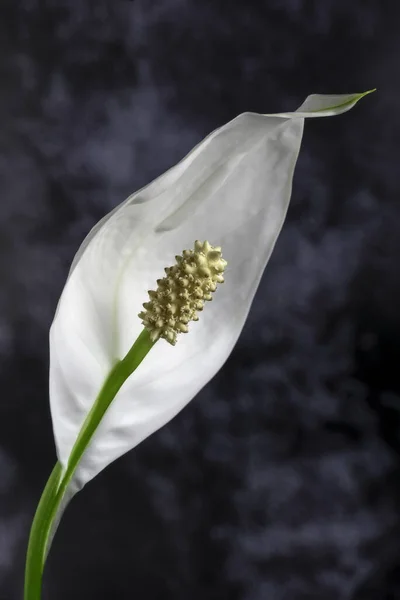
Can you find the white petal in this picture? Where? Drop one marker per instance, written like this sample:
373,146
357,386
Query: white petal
233,189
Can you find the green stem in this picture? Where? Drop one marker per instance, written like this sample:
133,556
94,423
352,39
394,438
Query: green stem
33,569
58,483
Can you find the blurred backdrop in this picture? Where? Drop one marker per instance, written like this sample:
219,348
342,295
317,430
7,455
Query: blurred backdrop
280,481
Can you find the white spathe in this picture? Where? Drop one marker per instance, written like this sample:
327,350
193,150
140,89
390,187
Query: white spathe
233,190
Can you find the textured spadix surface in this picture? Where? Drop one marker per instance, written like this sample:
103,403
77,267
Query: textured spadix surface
233,189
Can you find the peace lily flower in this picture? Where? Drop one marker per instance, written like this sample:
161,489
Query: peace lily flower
232,190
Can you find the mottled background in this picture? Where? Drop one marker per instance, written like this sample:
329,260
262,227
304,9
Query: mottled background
280,481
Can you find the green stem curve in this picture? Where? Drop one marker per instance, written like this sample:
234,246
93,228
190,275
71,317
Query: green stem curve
58,483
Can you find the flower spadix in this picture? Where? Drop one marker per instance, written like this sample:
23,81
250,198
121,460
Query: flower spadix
234,189
182,293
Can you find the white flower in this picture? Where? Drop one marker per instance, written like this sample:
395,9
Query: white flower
233,190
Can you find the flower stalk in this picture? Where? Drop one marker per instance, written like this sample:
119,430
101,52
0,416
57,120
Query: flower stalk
53,495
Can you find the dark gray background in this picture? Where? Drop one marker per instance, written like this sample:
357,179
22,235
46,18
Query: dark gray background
280,481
